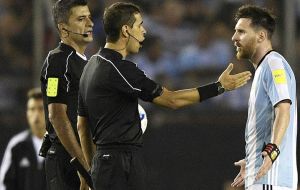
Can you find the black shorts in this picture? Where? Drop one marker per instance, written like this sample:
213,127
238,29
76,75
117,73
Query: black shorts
60,174
118,169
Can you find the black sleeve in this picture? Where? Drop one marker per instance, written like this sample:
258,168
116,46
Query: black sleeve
57,79
81,107
10,177
129,79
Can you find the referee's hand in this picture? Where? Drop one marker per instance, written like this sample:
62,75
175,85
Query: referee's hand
83,184
239,180
231,82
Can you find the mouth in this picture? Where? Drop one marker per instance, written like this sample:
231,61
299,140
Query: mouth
90,32
238,47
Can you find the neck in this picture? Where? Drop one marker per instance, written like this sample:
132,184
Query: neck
260,53
38,134
119,46
79,48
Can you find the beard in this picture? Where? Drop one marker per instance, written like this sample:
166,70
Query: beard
247,51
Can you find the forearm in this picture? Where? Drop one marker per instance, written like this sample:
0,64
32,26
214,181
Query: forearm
87,145
177,99
68,139
281,123
186,97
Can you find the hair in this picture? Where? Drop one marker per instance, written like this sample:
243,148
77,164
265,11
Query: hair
34,93
260,17
61,10
117,15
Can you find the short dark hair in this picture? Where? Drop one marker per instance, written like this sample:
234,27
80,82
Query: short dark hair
34,93
117,15
260,17
61,10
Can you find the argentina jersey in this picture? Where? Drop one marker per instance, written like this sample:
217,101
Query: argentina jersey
273,82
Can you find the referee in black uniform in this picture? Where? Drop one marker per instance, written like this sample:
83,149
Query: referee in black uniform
108,101
60,77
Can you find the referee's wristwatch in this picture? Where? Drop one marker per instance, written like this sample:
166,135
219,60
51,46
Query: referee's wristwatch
220,89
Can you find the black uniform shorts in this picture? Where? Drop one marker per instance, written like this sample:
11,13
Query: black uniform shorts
60,174
120,168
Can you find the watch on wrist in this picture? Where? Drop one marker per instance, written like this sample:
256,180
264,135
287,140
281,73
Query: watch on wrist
221,89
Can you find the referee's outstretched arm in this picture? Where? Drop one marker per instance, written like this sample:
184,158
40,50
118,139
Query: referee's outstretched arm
182,98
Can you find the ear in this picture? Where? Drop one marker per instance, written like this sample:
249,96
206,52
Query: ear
62,28
124,31
262,35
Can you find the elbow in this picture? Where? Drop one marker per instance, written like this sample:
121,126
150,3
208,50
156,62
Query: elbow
174,105
55,119
52,118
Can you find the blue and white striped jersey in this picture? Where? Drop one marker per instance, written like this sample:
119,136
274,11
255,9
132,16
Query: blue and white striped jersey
273,82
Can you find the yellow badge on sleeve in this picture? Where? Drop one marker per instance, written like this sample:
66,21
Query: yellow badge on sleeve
279,76
52,87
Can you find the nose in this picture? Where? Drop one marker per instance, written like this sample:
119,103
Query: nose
90,22
144,30
234,37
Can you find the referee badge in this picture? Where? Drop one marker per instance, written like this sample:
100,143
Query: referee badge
52,87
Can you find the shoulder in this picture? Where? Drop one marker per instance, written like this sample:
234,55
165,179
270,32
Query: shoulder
18,138
128,66
275,61
59,56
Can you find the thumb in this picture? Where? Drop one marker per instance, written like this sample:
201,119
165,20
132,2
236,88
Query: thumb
237,163
229,68
264,153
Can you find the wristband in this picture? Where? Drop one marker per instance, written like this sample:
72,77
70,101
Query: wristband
272,150
210,90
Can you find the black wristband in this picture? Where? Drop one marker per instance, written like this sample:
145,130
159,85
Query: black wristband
210,90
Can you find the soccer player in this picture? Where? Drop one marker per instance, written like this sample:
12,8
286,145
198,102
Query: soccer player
22,168
271,129
60,77
108,101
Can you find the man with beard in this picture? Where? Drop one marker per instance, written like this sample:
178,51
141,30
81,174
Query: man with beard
110,87
271,128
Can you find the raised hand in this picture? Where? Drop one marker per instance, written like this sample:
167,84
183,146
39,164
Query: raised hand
231,82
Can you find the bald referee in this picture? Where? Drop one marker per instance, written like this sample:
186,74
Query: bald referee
110,87
60,82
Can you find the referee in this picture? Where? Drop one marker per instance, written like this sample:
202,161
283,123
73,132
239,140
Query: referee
60,77
110,87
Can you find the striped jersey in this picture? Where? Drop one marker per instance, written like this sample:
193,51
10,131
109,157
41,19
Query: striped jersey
273,82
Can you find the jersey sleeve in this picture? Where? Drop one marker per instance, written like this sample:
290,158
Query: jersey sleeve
57,79
81,107
129,79
8,170
277,81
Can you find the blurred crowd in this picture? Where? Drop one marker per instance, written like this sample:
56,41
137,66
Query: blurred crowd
187,41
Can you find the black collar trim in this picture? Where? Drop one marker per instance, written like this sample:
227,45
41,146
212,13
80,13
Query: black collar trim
264,58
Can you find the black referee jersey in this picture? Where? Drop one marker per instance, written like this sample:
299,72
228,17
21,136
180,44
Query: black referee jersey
60,77
108,96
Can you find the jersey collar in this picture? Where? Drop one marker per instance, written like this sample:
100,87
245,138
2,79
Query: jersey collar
112,54
264,58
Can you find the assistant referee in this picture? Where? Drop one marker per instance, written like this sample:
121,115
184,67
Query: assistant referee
109,90
60,77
